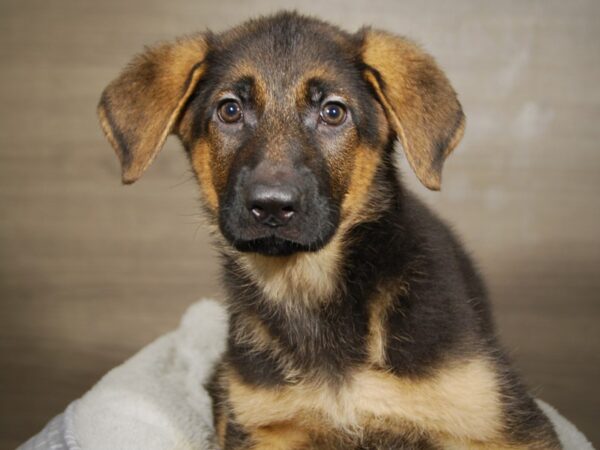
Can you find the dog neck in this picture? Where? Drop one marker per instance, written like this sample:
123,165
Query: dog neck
302,280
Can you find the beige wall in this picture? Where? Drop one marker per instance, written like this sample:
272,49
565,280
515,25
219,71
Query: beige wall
90,270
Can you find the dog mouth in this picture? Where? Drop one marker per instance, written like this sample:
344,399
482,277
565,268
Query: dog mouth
303,235
272,246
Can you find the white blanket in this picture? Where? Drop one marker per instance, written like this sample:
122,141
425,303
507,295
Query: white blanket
156,399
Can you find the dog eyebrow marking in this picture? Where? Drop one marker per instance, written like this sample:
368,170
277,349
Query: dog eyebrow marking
315,93
318,89
244,87
247,88
316,83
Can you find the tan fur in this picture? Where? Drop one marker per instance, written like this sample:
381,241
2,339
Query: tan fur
201,159
305,278
453,444
377,329
318,72
379,307
254,333
281,436
461,402
419,101
143,104
365,165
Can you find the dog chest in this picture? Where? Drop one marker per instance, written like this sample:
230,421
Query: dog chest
459,401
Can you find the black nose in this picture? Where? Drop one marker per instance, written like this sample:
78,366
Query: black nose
273,206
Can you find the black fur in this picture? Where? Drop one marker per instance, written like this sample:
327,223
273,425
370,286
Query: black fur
439,312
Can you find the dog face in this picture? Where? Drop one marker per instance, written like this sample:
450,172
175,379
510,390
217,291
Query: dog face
286,121
283,123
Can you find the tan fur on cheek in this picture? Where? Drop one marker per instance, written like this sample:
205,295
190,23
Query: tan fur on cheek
202,168
361,179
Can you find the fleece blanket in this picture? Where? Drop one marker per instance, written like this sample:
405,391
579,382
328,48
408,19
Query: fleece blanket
156,399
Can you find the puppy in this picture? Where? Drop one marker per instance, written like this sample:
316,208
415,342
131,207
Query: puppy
357,321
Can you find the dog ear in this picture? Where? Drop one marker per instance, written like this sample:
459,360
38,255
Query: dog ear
140,108
418,100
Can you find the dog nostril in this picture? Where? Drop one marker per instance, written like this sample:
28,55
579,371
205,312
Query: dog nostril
258,212
286,212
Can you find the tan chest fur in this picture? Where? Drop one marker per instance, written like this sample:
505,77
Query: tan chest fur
461,403
302,280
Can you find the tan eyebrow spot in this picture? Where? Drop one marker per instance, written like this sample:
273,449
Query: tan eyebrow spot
247,69
324,73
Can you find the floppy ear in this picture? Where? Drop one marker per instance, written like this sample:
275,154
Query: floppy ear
140,108
419,101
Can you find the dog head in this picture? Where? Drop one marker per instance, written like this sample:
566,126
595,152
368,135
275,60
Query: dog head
286,120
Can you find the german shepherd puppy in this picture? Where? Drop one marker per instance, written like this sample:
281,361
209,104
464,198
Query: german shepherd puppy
357,321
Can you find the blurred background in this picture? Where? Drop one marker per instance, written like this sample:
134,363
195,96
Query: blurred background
90,270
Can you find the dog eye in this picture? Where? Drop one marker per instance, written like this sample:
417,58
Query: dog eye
230,111
333,113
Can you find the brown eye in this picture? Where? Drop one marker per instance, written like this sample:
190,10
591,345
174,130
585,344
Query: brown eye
333,114
230,111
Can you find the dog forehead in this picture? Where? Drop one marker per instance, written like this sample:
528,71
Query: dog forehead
285,49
